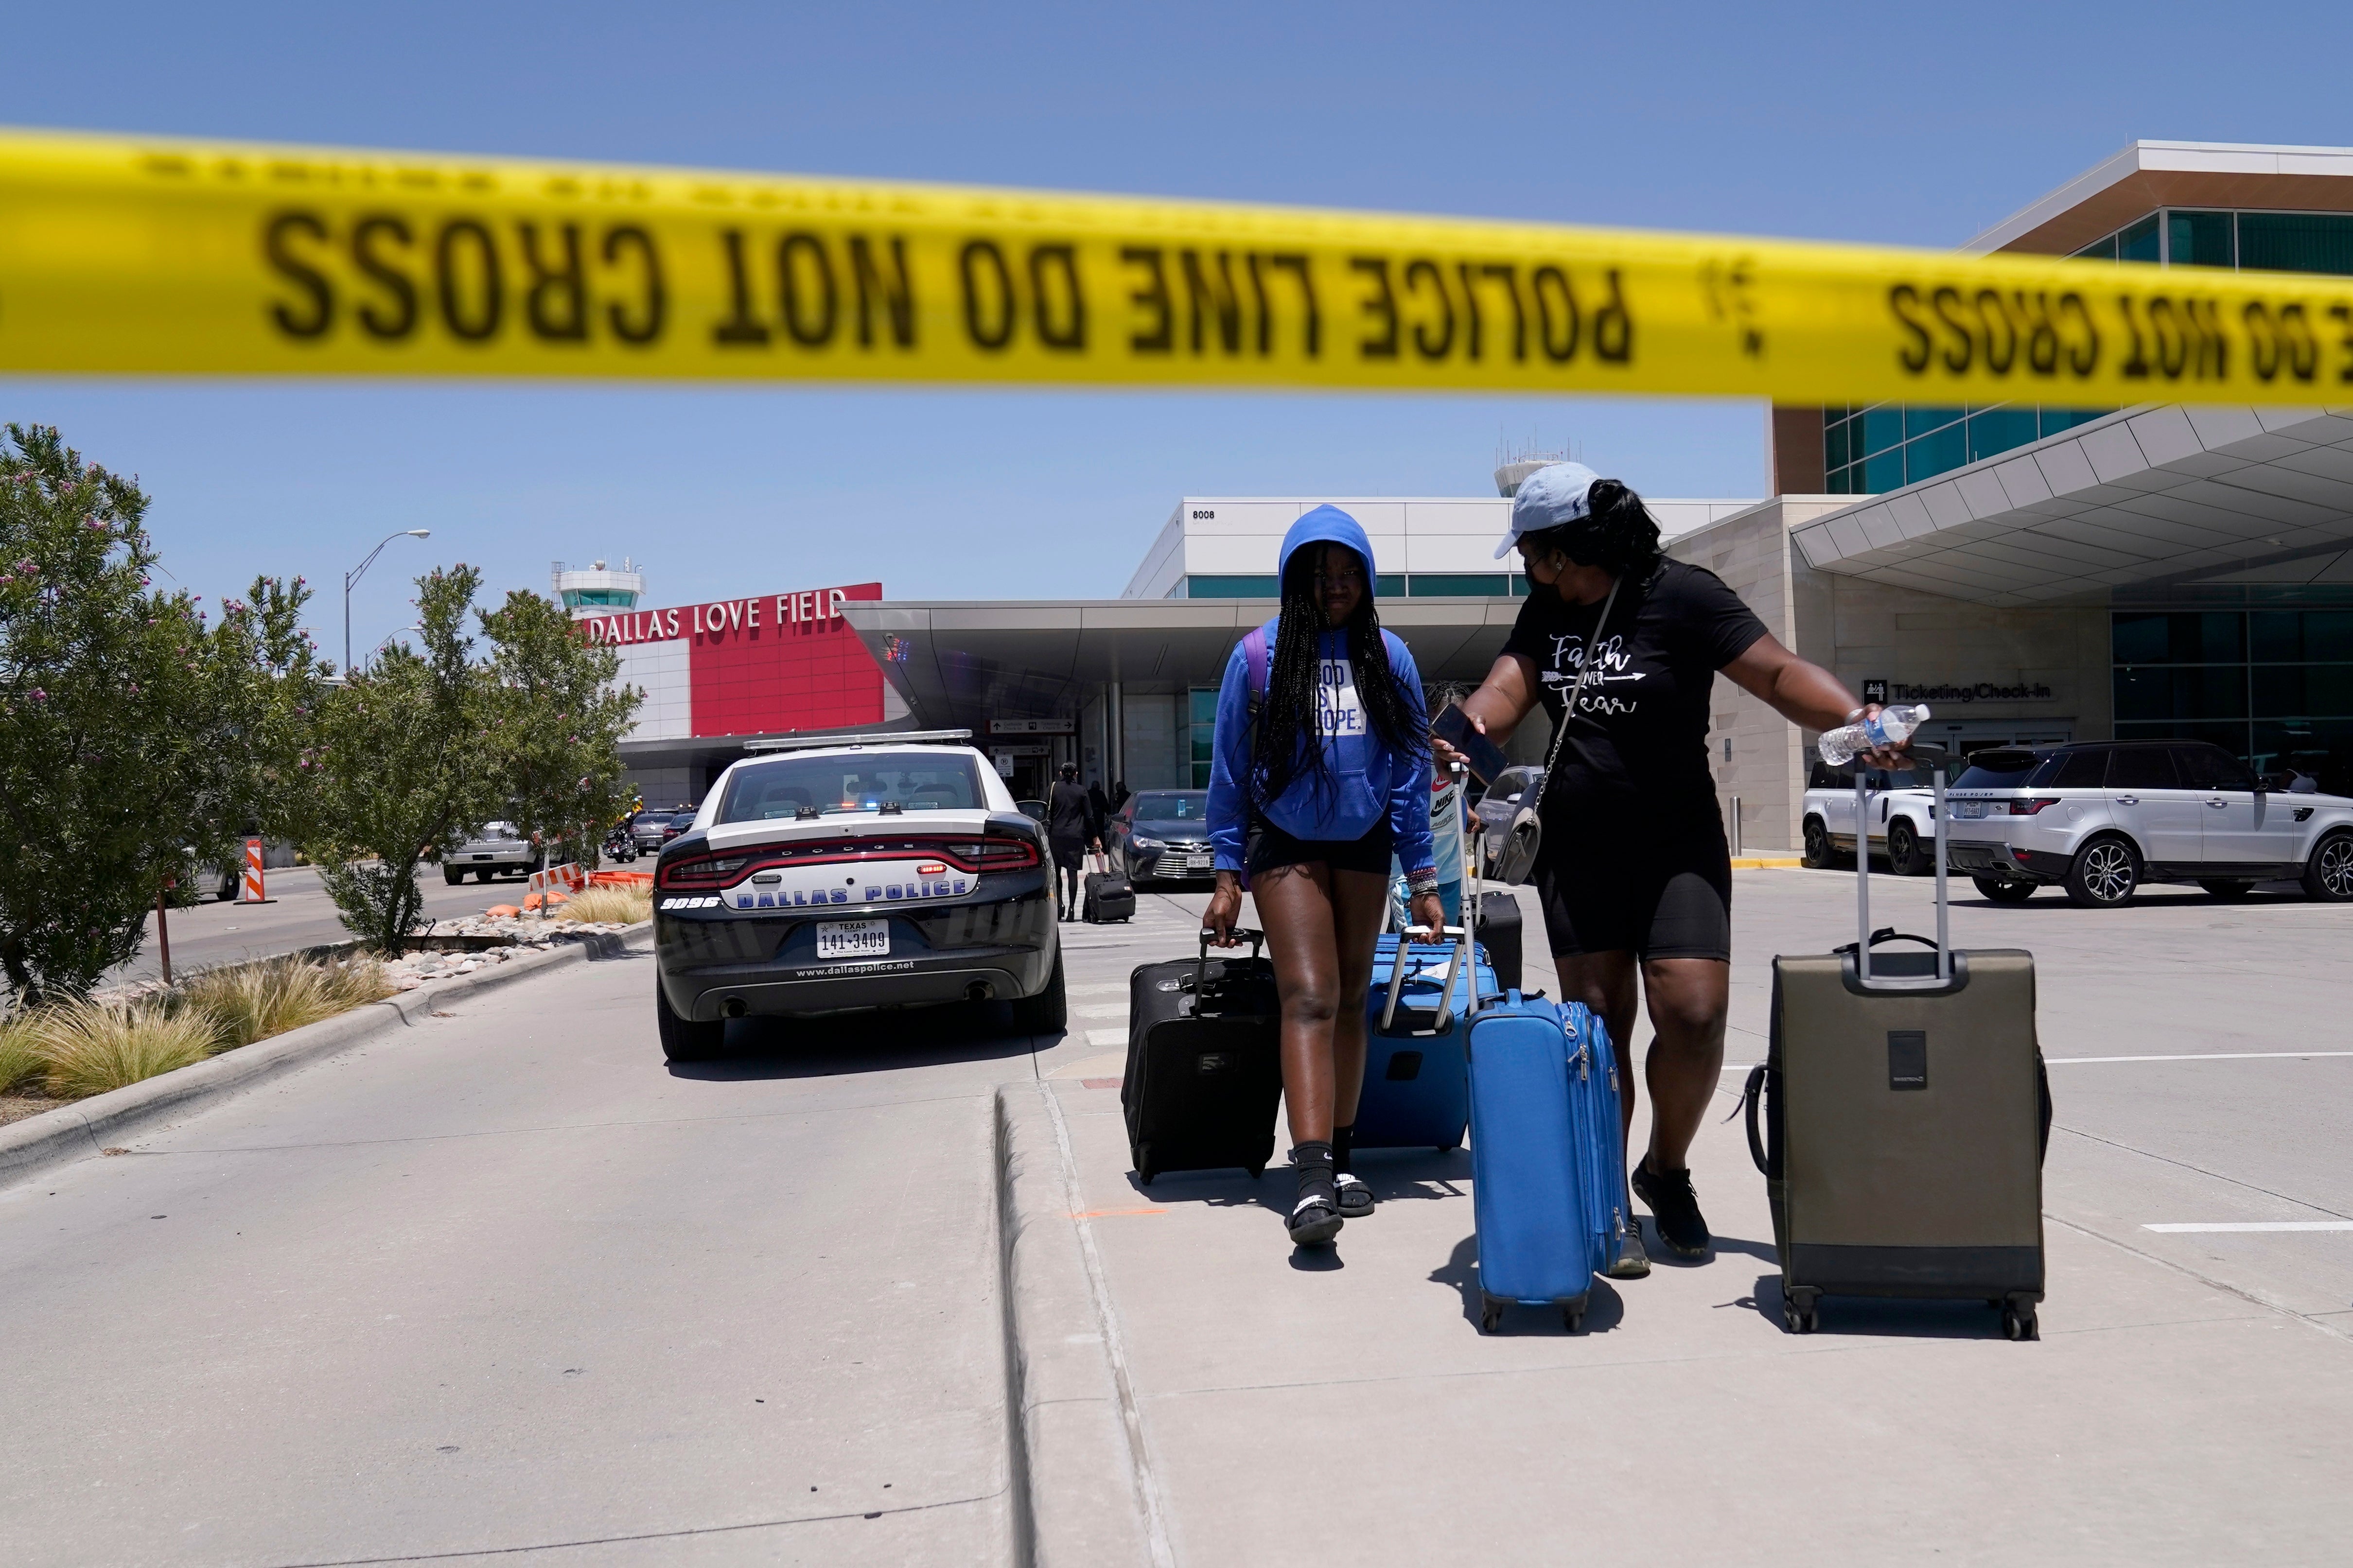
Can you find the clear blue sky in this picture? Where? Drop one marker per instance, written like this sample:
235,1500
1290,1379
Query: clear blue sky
1912,124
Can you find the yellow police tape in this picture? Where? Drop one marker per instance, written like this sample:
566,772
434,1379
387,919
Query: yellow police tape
137,256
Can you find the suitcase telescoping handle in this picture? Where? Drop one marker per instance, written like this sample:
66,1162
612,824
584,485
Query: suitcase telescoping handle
1454,968
1257,939
1933,756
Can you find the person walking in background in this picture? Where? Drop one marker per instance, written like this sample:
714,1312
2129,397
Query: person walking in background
1069,832
1099,809
1118,793
1321,765
1632,869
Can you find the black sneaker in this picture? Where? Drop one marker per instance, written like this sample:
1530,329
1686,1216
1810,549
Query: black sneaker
1674,1208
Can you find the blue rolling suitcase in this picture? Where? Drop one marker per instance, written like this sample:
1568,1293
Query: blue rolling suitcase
1417,1088
1548,1157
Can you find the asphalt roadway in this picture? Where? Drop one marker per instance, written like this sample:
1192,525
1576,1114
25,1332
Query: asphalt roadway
300,915
509,1288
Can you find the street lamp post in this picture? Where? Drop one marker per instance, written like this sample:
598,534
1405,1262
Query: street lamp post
356,573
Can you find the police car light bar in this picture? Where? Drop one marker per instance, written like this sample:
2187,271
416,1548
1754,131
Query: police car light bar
880,738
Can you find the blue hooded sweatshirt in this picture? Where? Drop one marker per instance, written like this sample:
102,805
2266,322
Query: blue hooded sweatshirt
1372,782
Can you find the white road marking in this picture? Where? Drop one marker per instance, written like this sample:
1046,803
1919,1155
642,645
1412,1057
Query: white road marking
2202,1227
1106,1037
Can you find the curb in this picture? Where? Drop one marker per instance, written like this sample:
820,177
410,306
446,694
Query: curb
1766,862
1082,1491
84,1126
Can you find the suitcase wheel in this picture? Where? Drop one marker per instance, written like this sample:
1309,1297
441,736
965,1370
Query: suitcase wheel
1491,1313
1798,1322
1572,1318
1256,1170
2019,1322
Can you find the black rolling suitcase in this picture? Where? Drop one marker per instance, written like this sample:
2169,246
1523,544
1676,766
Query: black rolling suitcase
1204,1063
1905,1115
1104,898
1499,933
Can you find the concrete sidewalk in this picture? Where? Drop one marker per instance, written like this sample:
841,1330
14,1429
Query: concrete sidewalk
1342,1405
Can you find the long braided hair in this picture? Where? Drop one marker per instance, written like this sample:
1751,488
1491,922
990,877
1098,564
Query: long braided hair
1286,744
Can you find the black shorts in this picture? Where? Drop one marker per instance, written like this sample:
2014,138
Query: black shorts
1657,897
1270,846
1069,854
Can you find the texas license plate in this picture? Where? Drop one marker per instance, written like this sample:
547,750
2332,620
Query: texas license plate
853,939
1969,807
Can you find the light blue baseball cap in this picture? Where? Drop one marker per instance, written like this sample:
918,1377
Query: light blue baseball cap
1553,494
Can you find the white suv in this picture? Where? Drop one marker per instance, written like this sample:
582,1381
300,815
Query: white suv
2101,818
1903,817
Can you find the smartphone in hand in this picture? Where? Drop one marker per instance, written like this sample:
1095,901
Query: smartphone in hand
1453,726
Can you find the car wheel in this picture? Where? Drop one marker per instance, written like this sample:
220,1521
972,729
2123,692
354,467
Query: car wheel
1048,1011
2002,892
2228,888
452,875
2328,874
2105,874
683,1039
1904,857
1818,853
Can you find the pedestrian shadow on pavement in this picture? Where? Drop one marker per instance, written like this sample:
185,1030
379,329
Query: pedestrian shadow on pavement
1420,1176
1881,1317
860,1043
1660,1255
1604,1307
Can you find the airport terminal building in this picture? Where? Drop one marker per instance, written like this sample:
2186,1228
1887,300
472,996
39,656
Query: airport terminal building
2034,574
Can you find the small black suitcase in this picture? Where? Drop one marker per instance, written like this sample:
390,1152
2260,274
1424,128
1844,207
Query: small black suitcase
1106,898
1499,933
1204,1063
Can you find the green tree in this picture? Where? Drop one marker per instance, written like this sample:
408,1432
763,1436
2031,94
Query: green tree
136,741
403,762
557,724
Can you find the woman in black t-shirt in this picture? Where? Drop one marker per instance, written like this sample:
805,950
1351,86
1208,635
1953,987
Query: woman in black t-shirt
1633,873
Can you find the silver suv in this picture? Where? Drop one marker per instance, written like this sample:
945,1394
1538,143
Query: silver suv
2101,818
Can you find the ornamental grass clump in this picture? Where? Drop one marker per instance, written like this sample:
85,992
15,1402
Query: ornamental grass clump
88,1047
20,1064
255,1001
619,906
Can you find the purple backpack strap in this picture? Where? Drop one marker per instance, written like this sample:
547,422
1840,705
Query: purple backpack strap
1254,663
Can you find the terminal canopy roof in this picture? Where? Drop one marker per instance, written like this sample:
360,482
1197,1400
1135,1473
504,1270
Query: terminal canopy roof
960,664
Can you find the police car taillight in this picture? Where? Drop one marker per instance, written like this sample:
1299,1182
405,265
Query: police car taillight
992,854
701,871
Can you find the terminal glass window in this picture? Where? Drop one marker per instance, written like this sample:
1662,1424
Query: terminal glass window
2272,686
856,781
1202,722
2252,241
1870,450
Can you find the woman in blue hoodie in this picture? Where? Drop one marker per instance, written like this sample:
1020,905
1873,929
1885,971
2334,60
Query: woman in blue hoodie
1321,771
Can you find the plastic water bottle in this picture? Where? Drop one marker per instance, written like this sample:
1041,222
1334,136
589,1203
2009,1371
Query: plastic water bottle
1888,727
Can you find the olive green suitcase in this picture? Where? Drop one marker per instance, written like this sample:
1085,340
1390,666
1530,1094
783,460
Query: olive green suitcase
1905,1116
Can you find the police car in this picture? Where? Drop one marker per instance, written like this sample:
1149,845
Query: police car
856,872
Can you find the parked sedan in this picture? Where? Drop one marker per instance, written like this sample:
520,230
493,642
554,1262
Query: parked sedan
501,850
645,830
2102,818
1162,834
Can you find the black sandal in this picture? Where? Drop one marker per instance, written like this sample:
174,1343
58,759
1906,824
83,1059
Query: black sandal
1355,1200
1313,1220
